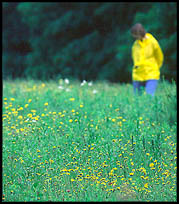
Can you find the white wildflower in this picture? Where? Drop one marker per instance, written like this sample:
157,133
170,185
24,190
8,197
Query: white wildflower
83,82
67,90
60,87
66,81
95,91
90,83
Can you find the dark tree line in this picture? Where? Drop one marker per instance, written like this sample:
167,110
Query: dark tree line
87,40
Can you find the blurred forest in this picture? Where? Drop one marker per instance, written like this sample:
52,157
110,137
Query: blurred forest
83,40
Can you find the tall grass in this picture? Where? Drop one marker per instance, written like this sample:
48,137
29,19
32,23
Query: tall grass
67,141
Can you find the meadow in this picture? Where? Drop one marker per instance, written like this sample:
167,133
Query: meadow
88,141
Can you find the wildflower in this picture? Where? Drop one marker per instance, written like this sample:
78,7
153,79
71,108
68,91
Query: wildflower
90,83
22,161
95,91
146,185
151,165
21,108
45,104
81,105
67,90
3,198
29,115
51,161
61,87
72,99
12,99
20,117
143,170
26,105
66,81
83,83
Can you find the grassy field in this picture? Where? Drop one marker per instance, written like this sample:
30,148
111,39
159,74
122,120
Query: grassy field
72,141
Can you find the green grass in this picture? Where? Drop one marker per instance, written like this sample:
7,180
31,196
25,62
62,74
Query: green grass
77,144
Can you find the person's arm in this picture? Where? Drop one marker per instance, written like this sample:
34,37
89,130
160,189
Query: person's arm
158,53
135,57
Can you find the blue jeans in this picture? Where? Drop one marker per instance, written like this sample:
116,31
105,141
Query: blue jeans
149,85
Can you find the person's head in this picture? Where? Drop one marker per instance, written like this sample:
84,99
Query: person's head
138,31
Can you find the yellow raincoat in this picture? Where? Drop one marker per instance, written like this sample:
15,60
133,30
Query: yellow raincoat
147,58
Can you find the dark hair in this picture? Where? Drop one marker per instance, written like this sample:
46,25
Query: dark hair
138,29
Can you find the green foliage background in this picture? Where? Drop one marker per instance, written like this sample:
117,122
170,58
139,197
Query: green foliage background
83,40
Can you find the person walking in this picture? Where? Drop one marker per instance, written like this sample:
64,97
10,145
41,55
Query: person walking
147,60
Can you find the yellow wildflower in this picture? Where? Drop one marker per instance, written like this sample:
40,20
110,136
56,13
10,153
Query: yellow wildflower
26,105
151,164
146,185
20,117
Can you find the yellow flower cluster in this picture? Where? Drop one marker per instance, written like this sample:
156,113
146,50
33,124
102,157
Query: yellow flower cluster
67,144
